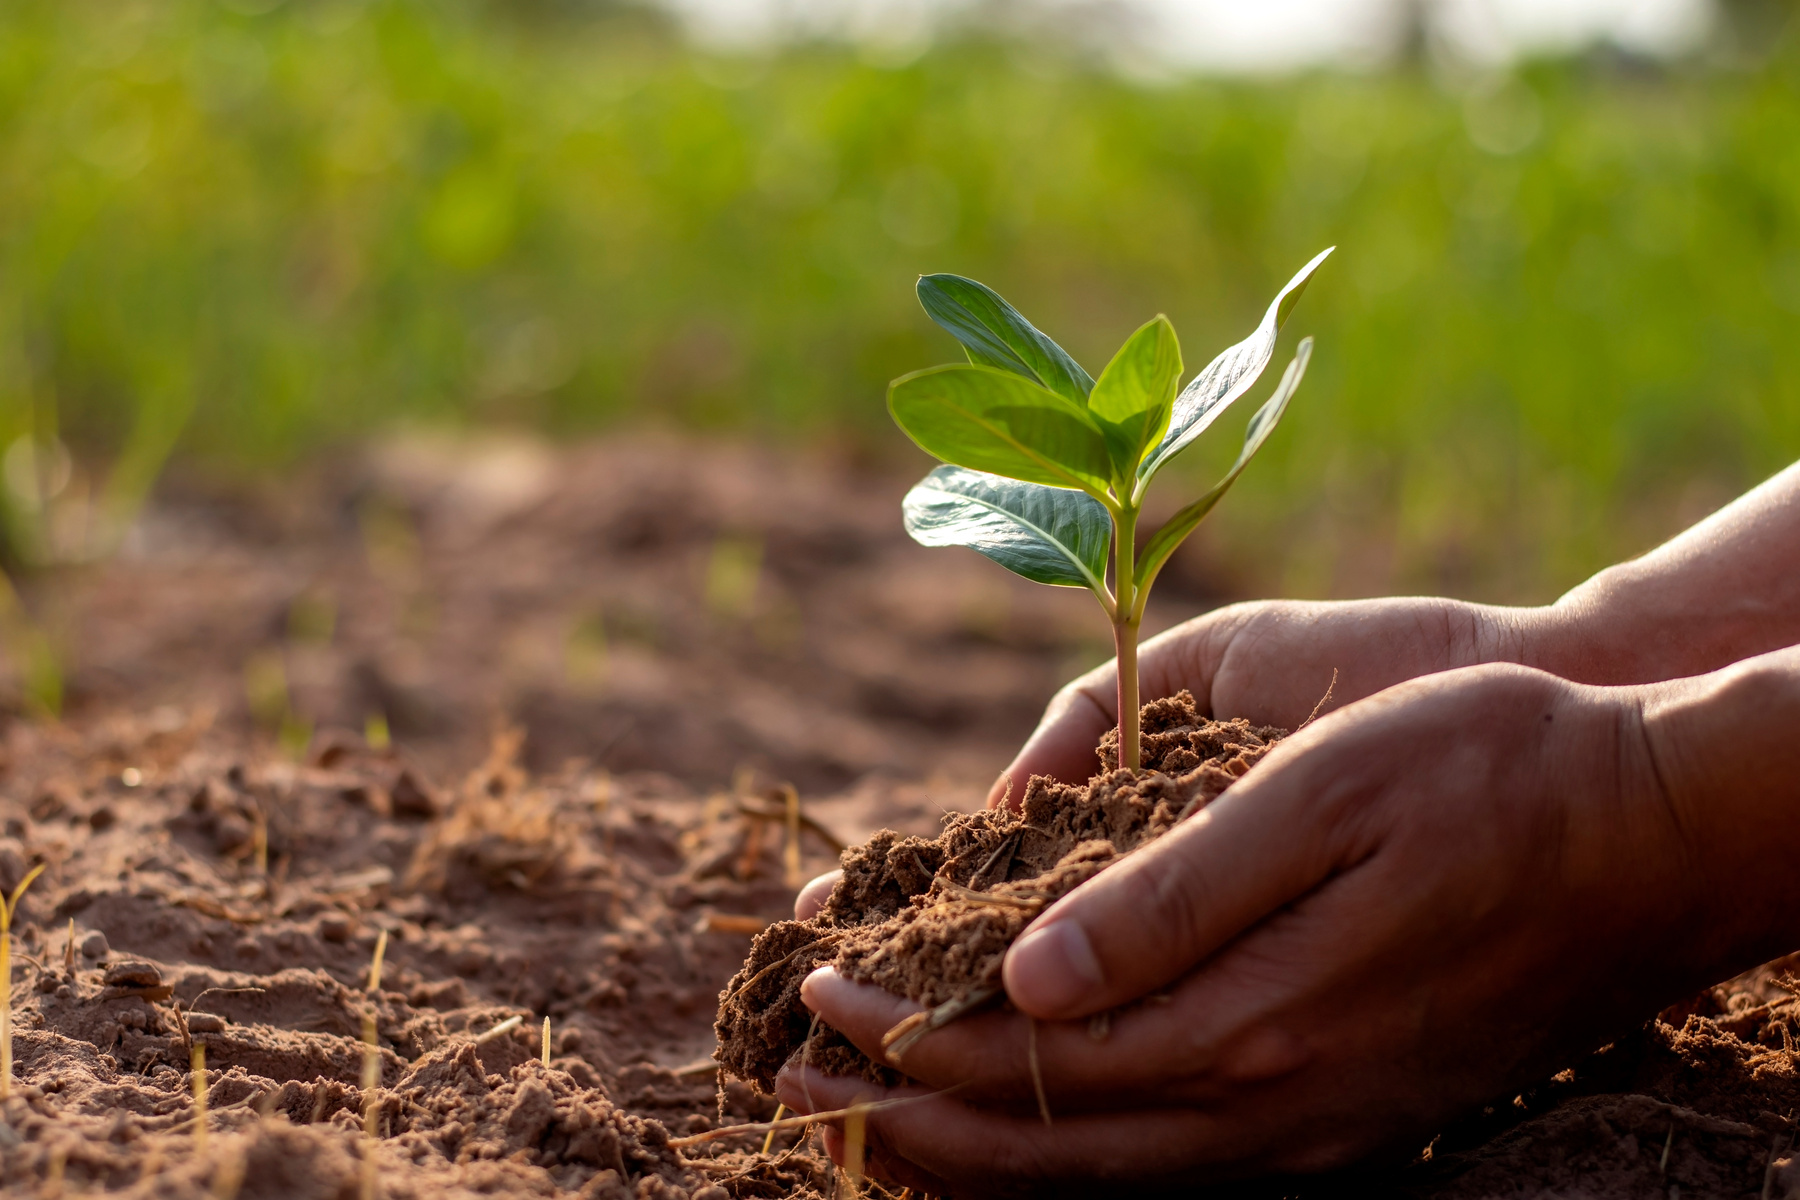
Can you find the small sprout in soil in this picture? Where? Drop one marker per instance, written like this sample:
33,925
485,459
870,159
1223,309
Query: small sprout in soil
1047,468
9,905
197,1076
546,1053
69,950
375,961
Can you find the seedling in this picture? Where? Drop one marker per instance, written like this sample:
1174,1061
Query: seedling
8,906
1047,468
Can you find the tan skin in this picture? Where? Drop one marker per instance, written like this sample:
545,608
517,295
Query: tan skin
1519,832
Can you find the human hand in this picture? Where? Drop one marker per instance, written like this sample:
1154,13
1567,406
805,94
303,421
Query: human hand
1431,896
1271,662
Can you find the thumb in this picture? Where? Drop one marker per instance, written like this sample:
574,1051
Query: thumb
1148,921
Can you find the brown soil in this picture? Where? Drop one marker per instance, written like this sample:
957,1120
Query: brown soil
674,629
931,918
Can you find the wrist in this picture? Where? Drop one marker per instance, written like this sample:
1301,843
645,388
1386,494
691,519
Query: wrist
1726,760
1581,637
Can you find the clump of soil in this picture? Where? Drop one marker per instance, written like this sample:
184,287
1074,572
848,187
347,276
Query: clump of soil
931,918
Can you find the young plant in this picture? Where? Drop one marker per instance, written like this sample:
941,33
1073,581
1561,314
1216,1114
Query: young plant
8,906
1047,467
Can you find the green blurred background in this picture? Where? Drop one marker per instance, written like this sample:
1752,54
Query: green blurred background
1564,316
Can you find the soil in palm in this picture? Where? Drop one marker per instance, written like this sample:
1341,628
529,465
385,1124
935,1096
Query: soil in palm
930,919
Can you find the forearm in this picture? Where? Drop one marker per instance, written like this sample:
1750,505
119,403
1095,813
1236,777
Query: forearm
1725,754
1724,590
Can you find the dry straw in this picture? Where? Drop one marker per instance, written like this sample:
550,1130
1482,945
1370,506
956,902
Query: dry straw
197,1076
801,1122
856,1122
1037,1071
769,1138
791,852
375,962
546,1054
501,1030
8,906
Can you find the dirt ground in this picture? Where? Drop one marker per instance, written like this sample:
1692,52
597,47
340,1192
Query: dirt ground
521,715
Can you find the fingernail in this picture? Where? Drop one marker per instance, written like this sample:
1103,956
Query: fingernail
1053,970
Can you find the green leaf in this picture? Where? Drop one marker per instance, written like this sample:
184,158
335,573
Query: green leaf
1045,534
1156,552
989,420
1228,376
1132,398
995,335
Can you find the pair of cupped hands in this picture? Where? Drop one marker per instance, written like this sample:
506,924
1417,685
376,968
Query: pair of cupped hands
1463,875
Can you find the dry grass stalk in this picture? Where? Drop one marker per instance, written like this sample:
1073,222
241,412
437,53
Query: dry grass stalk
8,906
733,923
53,1175
371,1080
1026,900
751,853
769,1138
69,950
501,1030
1037,1071
546,1054
375,962
785,959
259,842
800,1122
906,1034
778,812
228,1176
790,854
197,1077
855,1133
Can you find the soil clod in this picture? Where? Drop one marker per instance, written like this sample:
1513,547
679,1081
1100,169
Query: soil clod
930,919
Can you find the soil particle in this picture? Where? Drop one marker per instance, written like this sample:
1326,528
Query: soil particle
931,918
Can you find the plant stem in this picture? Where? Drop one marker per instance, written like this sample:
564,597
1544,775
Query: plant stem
1125,642
1125,631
